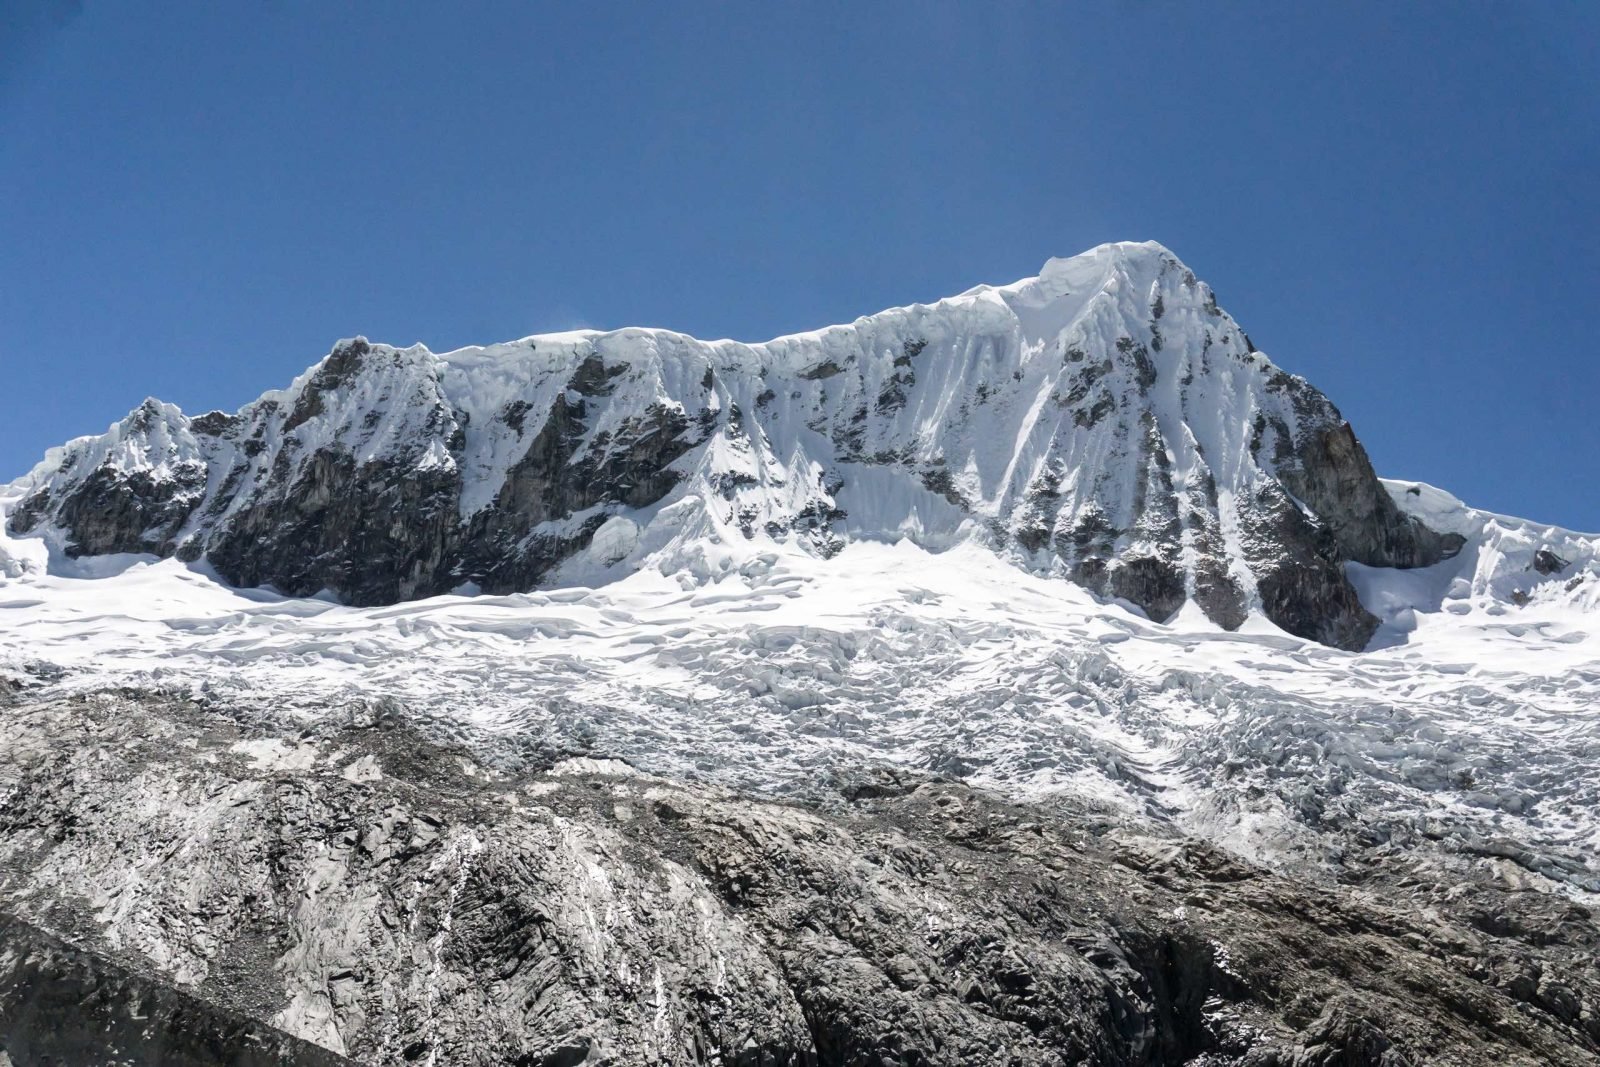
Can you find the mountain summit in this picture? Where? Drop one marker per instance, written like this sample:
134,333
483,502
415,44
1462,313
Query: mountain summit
1105,422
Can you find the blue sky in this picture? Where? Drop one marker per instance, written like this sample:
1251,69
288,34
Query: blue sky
1397,201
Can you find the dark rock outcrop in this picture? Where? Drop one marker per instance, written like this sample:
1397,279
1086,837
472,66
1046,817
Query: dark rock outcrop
1334,478
373,533
1548,563
60,1004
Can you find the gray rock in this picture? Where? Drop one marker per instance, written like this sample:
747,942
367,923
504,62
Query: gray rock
60,1004
390,899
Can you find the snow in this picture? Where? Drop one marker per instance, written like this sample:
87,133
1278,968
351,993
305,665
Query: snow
676,645
615,540
276,754
778,672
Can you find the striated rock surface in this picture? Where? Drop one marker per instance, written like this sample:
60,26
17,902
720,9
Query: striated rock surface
387,899
1106,422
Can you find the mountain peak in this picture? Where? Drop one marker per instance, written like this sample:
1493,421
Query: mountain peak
1104,422
1135,252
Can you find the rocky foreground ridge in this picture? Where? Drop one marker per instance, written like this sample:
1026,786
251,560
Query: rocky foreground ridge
1106,421
180,888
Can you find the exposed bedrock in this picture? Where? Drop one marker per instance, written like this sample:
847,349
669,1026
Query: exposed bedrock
390,901
1335,479
60,1004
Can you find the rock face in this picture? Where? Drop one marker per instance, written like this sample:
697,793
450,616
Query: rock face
61,1004
388,900
1547,562
1105,421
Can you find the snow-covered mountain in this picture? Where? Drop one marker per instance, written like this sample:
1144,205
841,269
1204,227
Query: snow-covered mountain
1105,422
899,692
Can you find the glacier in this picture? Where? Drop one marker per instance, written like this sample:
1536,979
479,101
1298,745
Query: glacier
809,587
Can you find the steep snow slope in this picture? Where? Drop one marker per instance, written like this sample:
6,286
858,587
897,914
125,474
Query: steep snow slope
1105,422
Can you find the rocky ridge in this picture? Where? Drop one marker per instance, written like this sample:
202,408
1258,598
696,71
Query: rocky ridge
386,899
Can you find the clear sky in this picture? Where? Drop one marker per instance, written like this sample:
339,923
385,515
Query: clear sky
1401,202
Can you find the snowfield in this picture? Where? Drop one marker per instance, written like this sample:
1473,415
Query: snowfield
1471,717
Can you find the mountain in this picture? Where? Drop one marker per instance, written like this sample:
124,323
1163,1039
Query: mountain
1105,422
1039,676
